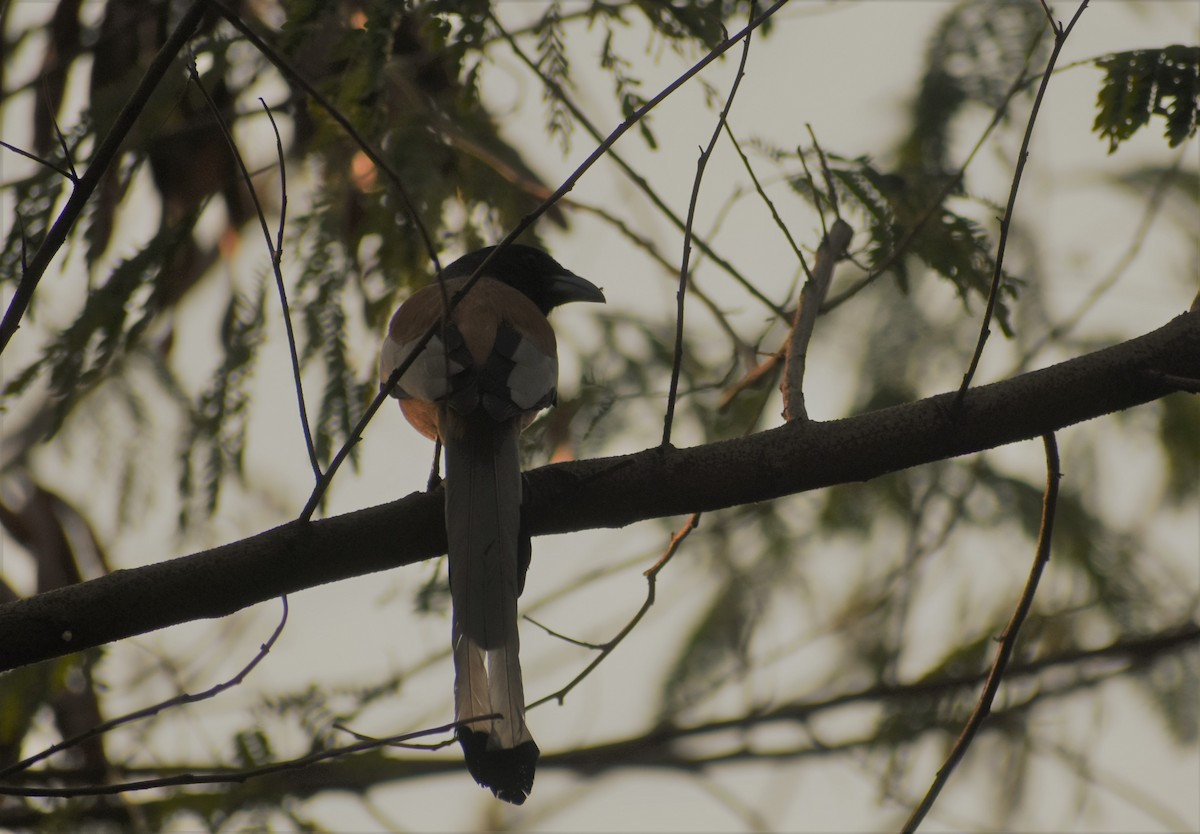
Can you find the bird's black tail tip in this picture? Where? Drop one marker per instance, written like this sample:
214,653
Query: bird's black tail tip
507,772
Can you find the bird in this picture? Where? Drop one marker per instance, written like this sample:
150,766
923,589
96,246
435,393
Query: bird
490,366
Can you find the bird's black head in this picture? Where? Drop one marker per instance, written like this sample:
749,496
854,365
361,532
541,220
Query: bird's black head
542,279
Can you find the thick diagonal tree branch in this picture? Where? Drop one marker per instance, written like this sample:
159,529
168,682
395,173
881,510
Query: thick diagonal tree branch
607,492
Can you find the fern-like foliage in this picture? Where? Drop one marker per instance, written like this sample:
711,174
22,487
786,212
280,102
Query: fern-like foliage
217,439
905,221
35,199
321,307
102,331
553,64
702,20
1143,83
624,84
975,54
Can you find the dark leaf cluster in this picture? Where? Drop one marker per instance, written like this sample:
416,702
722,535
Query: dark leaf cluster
1144,83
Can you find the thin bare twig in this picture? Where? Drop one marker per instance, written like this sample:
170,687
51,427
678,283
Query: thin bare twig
102,159
232,776
744,350
566,638
651,575
605,649
1180,383
681,293
1008,640
393,741
277,268
63,172
770,204
637,178
817,195
62,139
275,249
760,374
146,712
827,175
1060,38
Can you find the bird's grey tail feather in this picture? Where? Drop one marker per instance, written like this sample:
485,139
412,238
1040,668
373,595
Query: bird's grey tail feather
483,519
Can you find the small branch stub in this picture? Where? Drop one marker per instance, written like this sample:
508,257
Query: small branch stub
832,248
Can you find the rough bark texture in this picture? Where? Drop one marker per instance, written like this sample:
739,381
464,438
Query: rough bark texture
605,492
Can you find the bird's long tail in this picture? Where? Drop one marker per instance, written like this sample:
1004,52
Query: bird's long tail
483,520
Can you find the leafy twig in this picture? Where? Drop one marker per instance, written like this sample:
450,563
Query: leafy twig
294,75
525,223
102,160
1019,84
637,179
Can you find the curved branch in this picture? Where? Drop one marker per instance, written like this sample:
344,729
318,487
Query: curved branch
607,492
1007,640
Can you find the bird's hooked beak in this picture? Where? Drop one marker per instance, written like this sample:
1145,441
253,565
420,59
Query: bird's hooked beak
566,287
